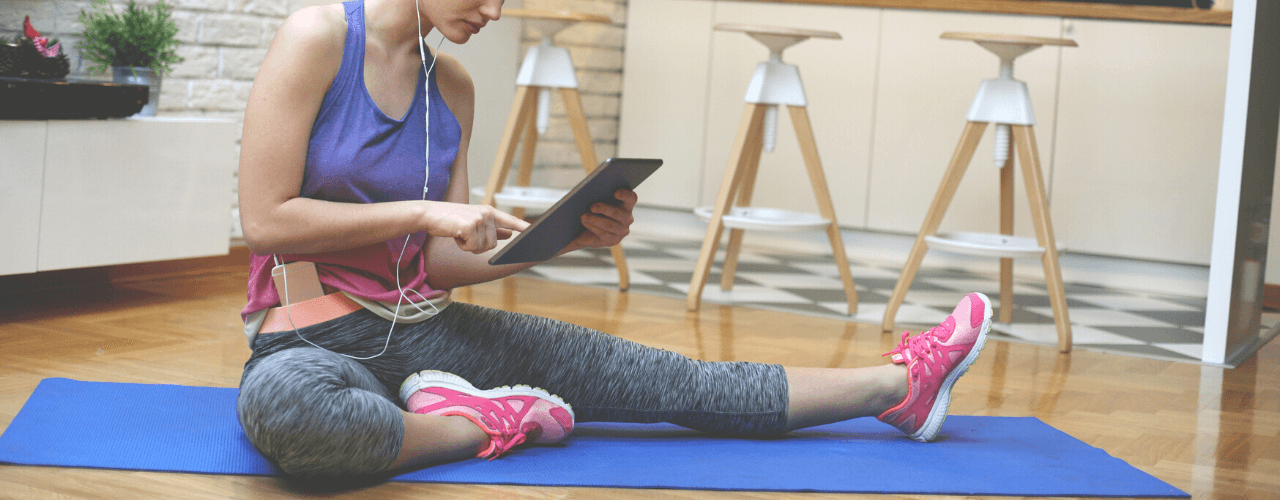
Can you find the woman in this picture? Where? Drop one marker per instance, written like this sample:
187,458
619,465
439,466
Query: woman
331,163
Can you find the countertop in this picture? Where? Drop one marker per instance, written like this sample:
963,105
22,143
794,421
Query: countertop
1046,8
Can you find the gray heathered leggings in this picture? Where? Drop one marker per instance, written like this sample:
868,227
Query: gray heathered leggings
316,413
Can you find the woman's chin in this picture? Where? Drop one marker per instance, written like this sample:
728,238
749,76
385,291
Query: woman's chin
458,37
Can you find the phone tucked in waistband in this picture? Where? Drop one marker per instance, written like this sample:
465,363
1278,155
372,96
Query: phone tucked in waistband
296,282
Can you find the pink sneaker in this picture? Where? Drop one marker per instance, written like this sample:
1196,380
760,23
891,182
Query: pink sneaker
935,360
509,415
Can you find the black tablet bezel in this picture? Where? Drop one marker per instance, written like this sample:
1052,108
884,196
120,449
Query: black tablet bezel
561,223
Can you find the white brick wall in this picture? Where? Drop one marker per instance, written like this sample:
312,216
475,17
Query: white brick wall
596,50
223,43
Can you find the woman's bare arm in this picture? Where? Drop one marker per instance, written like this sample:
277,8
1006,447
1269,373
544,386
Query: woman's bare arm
283,105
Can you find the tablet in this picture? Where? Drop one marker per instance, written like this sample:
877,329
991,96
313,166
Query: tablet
561,223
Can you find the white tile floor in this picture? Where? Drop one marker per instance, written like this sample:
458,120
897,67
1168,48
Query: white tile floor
1131,323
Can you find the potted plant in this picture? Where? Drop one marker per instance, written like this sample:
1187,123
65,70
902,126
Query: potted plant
138,44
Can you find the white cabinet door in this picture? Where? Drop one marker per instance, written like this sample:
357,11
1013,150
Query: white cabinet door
1139,135
925,89
1128,123
21,174
839,79
136,190
664,95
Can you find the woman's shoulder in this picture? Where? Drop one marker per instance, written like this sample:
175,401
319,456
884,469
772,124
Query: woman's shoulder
319,27
306,51
452,76
456,88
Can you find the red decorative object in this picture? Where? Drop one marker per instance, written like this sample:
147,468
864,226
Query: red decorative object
28,30
41,43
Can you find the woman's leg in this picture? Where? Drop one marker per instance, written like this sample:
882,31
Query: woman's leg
913,393
604,378
612,379
430,439
318,414
826,395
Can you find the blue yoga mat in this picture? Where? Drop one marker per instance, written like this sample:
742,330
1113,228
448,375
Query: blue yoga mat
68,423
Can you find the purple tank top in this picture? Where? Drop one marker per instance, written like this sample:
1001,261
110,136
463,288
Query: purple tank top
358,154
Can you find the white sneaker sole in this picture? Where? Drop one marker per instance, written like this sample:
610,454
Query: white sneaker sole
938,413
436,378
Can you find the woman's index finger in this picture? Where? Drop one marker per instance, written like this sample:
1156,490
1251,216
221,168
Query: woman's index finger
507,221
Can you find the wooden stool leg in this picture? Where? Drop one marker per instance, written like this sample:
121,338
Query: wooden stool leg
946,190
746,189
748,131
521,111
1028,155
581,134
1006,227
587,150
524,176
812,163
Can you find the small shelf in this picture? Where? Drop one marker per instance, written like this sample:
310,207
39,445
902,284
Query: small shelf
525,196
767,219
68,99
988,245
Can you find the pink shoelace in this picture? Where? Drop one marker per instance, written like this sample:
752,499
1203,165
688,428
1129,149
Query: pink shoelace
500,443
501,424
921,346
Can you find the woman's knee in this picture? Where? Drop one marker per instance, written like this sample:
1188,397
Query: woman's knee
315,413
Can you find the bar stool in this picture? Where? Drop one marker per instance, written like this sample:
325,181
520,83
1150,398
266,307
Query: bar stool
775,83
1005,102
545,67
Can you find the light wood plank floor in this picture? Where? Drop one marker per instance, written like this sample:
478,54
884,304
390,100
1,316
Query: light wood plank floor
1210,431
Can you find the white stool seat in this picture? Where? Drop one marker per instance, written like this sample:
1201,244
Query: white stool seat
766,219
988,245
535,197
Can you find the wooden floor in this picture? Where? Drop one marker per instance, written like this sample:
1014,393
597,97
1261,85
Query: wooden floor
1212,432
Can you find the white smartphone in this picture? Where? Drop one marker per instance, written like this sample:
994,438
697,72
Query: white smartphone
303,283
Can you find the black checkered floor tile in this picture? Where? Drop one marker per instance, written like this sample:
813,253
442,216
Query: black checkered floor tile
1103,319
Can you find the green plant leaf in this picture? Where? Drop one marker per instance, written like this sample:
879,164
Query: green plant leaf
138,36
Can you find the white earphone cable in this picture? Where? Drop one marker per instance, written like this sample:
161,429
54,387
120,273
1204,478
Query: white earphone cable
403,297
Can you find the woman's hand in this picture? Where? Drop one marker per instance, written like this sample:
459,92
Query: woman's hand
447,268
607,224
475,228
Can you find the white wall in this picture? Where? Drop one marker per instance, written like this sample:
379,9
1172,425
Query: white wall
224,41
